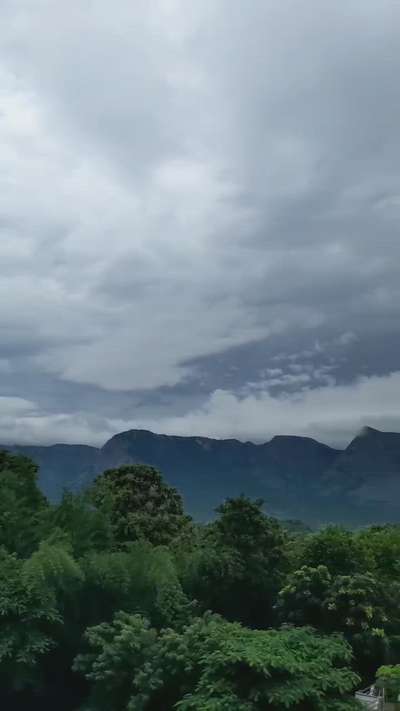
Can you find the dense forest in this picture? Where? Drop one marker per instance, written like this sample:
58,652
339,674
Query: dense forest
115,600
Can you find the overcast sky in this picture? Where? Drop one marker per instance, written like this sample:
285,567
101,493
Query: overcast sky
199,218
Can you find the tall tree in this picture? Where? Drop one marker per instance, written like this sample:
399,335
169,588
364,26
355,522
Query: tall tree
140,504
20,503
238,569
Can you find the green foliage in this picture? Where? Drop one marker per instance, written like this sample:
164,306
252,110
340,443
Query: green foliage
388,678
303,599
141,505
120,655
214,664
359,606
31,603
238,567
141,579
207,572
339,550
26,622
389,673
20,503
77,522
292,668
382,544
243,525
355,604
125,563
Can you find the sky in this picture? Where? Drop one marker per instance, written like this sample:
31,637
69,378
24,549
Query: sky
199,218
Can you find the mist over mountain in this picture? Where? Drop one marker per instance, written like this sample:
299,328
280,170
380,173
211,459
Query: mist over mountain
297,477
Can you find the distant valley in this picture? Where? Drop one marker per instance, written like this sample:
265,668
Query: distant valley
298,477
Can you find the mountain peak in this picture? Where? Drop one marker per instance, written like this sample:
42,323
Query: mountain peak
367,431
132,434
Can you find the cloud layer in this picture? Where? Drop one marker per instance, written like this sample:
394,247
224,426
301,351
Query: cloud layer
189,193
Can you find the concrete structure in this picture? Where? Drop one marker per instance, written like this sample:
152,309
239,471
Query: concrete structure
372,698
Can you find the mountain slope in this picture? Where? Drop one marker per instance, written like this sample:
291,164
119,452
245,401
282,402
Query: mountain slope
298,477
70,466
367,473
206,470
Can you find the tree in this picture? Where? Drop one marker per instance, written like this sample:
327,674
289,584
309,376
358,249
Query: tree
359,606
20,504
140,504
141,579
214,665
207,572
339,550
118,654
382,544
32,594
303,599
238,569
356,605
76,521
274,669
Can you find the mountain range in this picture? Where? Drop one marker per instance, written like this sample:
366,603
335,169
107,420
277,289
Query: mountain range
298,477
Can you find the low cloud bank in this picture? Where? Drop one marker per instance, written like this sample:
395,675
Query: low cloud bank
330,413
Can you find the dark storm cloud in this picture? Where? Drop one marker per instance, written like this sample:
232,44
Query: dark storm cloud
199,214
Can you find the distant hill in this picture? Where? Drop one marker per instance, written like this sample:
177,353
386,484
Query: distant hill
298,477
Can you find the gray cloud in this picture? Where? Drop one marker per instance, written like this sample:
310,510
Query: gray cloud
187,195
329,412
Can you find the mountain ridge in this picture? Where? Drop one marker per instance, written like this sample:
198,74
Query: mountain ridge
298,477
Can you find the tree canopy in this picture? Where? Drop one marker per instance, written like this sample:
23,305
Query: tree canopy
214,664
140,504
116,597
